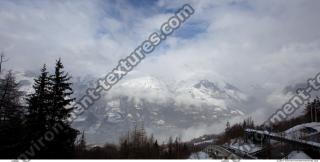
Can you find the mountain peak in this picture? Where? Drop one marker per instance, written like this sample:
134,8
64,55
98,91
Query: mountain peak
206,84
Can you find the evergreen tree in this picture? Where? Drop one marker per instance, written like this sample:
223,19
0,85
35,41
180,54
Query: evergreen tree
39,102
38,111
312,110
81,148
82,143
47,108
61,94
156,149
227,126
60,107
170,148
124,149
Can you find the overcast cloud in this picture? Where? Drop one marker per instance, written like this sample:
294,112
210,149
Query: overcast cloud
259,46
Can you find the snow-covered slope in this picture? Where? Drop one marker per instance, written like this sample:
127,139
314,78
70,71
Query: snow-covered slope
185,94
205,92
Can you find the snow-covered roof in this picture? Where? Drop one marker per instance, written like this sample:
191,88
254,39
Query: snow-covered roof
314,125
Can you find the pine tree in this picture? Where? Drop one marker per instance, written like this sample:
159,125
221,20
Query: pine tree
47,108
156,150
81,148
227,126
312,110
170,148
61,94
38,110
124,149
60,107
39,103
82,142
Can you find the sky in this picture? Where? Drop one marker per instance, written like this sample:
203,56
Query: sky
259,46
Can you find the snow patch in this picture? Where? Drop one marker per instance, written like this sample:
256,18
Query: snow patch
199,155
298,155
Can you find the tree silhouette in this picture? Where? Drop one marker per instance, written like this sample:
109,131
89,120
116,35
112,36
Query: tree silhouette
49,106
39,103
11,117
60,107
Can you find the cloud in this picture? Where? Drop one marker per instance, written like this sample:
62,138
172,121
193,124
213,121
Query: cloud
265,44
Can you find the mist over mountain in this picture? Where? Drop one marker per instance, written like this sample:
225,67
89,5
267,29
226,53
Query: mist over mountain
165,110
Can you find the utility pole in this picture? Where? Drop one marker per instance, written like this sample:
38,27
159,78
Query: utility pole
315,114
311,113
2,60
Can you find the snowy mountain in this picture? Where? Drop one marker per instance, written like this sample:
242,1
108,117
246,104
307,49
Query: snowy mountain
161,107
208,93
